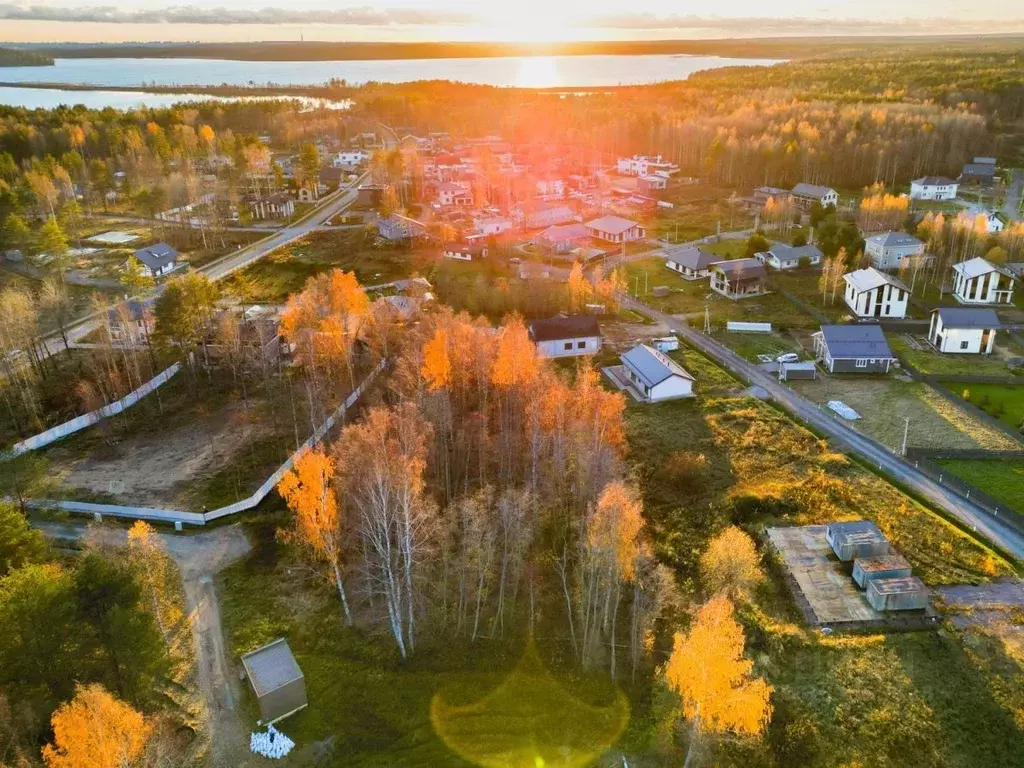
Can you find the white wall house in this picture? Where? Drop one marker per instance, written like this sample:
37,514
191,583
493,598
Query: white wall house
450,193
566,336
870,293
616,229
978,281
157,260
550,187
350,157
465,251
642,165
654,376
889,249
493,226
964,331
689,261
782,256
808,194
933,188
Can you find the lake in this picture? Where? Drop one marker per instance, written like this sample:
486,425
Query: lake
48,98
518,71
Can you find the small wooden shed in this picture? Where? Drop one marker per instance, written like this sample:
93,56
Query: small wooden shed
867,569
859,538
276,680
900,594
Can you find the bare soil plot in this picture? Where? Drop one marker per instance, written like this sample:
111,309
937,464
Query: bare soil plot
883,403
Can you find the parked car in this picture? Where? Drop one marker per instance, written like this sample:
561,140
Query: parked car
788,357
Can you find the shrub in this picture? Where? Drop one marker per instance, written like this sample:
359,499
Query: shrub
686,469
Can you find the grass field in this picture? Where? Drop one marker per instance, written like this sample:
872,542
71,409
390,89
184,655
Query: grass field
884,402
1002,479
697,212
803,284
750,345
929,362
273,279
1004,402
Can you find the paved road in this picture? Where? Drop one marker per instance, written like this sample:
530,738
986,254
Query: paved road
1006,537
1011,206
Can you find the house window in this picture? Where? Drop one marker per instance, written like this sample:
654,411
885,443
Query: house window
964,344
862,362
568,346
581,345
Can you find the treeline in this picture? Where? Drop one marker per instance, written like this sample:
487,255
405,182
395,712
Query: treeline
14,57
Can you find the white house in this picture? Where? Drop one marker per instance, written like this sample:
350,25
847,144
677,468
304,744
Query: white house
689,261
870,293
566,336
493,226
465,251
279,205
642,165
888,249
933,188
977,281
808,194
994,223
350,157
782,256
655,376
647,184
616,229
550,186
449,193
157,260
963,331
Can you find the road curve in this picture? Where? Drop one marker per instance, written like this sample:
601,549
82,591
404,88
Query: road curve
977,519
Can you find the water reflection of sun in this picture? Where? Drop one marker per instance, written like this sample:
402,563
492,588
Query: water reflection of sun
538,72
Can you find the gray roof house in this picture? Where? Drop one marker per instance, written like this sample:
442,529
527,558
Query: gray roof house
853,349
158,259
963,330
782,256
276,679
981,171
808,194
689,261
566,336
653,376
397,228
738,278
888,249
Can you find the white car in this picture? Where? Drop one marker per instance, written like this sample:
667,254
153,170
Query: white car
789,357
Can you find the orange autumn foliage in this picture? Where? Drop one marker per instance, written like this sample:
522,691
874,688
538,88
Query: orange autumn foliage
709,672
516,363
616,524
307,491
96,730
437,366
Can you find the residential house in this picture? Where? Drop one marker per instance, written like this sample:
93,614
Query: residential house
465,251
157,260
451,194
279,205
566,336
782,256
933,188
982,171
550,186
759,198
531,270
871,293
738,279
369,195
350,158
808,194
963,331
130,322
655,376
853,349
977,281
493,226
642,165
329,178
689,261
616,229
538,215
563,238
994,222
397,228
889,249
648,184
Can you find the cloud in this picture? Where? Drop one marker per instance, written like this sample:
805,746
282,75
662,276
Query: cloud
190,14
781,25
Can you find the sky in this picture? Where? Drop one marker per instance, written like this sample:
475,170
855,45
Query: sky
484,20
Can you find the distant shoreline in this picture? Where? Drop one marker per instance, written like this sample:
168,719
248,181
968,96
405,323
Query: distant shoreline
757,48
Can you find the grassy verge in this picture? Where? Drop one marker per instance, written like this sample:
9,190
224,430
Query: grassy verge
931,363
1002,479
1003,402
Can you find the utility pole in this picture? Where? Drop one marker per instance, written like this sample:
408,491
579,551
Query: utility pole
906,431
707,321
646,289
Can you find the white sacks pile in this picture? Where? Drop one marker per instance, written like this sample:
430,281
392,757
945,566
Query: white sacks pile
272,744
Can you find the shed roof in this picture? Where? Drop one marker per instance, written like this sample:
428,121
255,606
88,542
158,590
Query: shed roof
572,327
856,341
271,667
613,225
892,239
690,256
882,563
870,278
652,366
856,530
966,318
900,585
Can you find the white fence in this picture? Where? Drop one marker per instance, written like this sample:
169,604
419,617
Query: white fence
61,431
201,518
740,327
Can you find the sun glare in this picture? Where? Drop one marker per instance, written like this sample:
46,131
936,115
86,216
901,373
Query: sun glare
538,72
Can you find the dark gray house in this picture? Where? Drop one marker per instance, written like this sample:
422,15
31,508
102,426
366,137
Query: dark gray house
157,260
689,261
853,349
276,679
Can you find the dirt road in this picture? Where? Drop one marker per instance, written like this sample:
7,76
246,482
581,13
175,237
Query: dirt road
199,557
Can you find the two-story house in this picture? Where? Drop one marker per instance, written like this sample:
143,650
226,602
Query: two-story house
889,249
871,293
977,281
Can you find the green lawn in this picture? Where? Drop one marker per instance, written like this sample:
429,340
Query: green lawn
697,212
1002,479
1004,402
803,284
728,249
750,345
930,362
